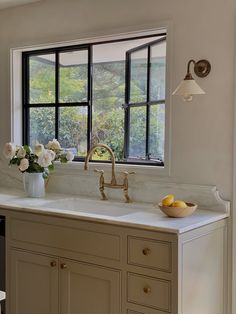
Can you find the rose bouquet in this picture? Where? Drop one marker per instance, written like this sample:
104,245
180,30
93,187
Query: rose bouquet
39,160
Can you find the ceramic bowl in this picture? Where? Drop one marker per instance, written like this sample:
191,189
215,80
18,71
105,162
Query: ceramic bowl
178,212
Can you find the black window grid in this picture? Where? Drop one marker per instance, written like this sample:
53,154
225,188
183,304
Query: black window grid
27,105
147,103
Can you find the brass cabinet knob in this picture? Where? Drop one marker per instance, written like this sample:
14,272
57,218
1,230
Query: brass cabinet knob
63,266
146,251
53,264
147,290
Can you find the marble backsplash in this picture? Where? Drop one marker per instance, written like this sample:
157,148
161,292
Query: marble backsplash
73,180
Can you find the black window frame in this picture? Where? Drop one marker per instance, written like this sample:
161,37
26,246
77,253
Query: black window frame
89,46
148,103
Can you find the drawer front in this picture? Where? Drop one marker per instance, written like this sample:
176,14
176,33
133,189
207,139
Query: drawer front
149,291
91,243
148,253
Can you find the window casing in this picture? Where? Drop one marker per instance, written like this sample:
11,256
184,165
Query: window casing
58,104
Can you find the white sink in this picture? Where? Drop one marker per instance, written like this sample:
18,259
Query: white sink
96,207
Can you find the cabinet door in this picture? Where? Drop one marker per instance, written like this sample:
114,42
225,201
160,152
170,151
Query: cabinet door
34,283
89,289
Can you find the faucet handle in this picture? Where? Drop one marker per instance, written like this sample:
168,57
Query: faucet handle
99,171
126,173
125,185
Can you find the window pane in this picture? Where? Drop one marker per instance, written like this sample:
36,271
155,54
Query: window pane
158,71
42,79
101,153
157,131
42,125
137,140
108,97
73,76
73,129
138,76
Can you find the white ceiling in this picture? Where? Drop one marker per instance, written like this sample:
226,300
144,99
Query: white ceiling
13,3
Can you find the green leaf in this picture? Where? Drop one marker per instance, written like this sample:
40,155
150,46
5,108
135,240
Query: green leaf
63,159
27,149
45,175
51,167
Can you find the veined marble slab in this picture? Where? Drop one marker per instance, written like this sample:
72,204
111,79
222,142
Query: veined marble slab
71,179
136,215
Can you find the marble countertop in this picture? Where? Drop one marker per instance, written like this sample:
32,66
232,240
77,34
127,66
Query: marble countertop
136,215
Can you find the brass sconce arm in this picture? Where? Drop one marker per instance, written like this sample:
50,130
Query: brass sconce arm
201,68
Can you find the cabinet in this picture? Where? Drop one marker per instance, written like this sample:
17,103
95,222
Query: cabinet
33,283
88,289
71,266
40,283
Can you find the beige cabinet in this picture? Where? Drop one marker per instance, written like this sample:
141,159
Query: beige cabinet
88,289
41,284
33,283
70,266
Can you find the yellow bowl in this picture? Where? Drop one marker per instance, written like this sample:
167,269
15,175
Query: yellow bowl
178,212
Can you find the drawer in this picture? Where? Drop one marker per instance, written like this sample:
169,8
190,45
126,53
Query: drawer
149,291
149,253
87,242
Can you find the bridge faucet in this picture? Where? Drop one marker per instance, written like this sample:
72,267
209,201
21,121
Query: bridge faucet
113,184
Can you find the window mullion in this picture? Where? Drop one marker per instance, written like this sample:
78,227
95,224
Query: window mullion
126,106
148,106
25,98
90,97
57,91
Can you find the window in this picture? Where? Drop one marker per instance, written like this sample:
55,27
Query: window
110,92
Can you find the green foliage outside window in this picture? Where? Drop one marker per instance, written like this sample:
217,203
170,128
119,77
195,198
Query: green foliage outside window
107,115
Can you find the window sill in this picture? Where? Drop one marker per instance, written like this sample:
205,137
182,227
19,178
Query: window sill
73,168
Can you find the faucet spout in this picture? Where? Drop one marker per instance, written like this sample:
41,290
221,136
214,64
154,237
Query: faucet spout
113,177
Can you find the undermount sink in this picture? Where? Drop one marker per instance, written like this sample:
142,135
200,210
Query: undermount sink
94,207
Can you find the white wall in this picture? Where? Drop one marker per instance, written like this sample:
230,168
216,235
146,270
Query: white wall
202,131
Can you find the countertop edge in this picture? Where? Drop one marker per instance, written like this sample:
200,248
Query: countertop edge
112,220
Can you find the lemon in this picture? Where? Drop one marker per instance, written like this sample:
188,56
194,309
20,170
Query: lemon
179,204
167,200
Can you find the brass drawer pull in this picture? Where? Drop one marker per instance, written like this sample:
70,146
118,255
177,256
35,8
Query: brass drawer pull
63,266
146,251
147,290
53,264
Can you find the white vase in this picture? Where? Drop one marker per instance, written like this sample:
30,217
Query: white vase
34,185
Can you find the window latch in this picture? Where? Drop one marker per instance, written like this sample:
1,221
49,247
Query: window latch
148,156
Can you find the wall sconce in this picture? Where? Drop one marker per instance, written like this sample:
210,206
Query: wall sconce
188,87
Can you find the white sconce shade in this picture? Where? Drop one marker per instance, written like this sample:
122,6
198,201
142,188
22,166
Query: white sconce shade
188,87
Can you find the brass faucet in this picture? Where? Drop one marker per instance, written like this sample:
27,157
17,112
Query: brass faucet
113,184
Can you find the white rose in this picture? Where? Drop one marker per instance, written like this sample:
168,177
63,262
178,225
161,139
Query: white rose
52,153
21,152
9,150
24,164
54,145
45,159
17,148
39,149
69,156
